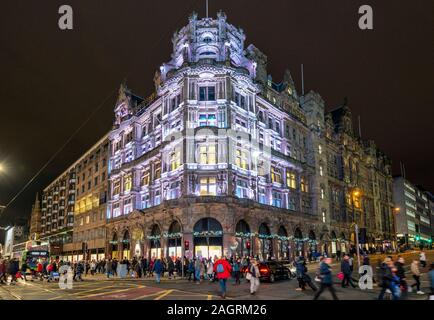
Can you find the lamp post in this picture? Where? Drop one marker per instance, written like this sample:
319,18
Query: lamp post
356,228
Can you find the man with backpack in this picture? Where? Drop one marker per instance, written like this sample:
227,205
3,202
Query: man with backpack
223,270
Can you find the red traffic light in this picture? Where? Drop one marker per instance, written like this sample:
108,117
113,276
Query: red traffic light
248,244
187,245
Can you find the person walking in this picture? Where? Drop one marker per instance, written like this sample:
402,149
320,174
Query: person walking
255,274
400,273
223,270
388,279
190,270
422,259
326,279
210,270
431,280
108,268
3,279
197,267
236,268
170,267
347,271
299,269
158,268
416,276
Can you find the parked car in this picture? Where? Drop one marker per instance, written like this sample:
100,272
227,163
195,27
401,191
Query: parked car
271,271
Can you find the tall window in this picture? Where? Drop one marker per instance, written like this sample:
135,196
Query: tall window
277,199
276,176
319,149
208,186
322,192
262,196
291,181
241,159
304,185
175,160
323,215
207,94
128,180
321,171
146,203
116,187
144,181
207,154
116,210
157,173
242,190
128,207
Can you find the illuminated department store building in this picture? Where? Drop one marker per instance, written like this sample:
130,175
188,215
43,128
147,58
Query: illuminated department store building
219,160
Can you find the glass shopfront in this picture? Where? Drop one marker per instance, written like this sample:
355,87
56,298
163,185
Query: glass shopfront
126,246
283,244
243,238
312,246
299,243
174,240
266,242
114,247
155,242
208,238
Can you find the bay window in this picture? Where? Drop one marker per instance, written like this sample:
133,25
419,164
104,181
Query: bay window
241,159
276,175
207,154
242,190
116,187
277,199
175,160
208,186
207,93
144,180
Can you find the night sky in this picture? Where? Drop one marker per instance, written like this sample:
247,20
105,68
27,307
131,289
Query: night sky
53,80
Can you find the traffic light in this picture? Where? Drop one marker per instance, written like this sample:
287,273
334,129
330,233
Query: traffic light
417,237
248,245
187,245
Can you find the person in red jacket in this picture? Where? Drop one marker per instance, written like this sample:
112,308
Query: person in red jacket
222,269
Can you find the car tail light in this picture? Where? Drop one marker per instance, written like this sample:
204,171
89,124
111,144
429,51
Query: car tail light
263,270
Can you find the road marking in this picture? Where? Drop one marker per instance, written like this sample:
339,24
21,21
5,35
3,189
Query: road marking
102,293
164,294
147,295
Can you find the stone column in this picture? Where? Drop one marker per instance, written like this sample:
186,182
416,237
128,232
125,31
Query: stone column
228,241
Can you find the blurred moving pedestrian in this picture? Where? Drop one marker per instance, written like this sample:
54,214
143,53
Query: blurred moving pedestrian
326,279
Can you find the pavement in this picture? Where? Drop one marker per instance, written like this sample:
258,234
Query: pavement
98,287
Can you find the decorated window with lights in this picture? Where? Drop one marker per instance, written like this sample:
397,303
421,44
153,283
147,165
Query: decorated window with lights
207,154
157,197
175,190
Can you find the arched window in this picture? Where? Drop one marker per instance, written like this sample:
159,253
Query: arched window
283,243
126,245
155,242
174,240
242,232
265,242
208,238
299,244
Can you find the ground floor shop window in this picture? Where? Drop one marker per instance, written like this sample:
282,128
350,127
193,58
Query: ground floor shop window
208,238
